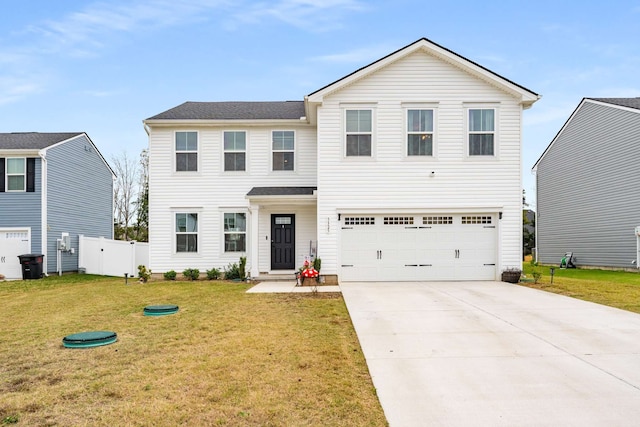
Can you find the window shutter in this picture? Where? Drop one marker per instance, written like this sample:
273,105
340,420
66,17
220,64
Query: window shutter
1,175
31,175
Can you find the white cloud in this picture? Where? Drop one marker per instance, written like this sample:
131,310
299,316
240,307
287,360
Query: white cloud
14,88
310,15
80,33
356,56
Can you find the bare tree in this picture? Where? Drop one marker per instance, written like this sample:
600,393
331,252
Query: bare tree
142,204
124,194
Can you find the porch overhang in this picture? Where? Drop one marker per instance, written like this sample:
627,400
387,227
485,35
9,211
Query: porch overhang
280,195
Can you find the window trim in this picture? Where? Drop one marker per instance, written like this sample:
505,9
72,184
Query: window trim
245,232
175,151
284,151
495,132
362,107
23,174
245,151
187,211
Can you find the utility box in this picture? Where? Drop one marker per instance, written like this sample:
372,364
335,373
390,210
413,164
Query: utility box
31,266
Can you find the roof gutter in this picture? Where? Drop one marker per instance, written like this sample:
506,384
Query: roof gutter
234,122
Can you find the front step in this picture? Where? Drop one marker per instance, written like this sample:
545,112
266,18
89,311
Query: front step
279,277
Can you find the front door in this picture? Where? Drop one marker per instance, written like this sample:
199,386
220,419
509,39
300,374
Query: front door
283,237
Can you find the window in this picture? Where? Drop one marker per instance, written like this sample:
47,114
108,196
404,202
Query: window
398,220
186,151
358,132
16,174
481,132
186,232
283,145
235,151
367,220
476,219
235,232
431,220
420,132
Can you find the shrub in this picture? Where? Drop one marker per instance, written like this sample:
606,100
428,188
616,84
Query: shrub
143,273
317,263
191,273
232,271
536,276
213,274
170,275
242,267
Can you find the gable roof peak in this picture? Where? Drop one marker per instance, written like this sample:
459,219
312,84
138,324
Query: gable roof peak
527,96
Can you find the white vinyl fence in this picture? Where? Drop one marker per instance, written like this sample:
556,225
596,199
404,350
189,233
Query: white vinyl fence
111,257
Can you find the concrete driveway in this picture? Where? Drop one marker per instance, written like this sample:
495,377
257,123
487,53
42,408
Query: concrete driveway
496,354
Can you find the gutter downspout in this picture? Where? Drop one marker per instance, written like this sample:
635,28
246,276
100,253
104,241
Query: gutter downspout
44,232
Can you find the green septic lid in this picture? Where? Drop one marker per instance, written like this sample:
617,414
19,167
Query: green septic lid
89,339
160,310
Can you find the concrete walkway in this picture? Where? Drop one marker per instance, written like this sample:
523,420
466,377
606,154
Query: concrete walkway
496,354
288,286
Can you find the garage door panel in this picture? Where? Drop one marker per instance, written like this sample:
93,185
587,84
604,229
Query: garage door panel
419,247
13,242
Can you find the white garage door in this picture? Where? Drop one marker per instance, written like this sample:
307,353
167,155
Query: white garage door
13,242
418,247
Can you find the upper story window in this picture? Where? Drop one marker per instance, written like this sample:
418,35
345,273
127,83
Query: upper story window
186,151
235,151
358,132
283,148
235,232
186,232
16,174
481,132
420,132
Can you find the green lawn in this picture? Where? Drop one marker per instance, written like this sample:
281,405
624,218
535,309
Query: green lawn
619,289
227,358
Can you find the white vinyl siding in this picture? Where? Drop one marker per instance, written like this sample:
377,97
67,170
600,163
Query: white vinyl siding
391,182
214,191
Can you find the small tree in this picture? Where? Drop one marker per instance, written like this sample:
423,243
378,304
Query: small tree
142,204
124,195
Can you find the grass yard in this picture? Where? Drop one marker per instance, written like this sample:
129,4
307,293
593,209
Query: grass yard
227,358
619,289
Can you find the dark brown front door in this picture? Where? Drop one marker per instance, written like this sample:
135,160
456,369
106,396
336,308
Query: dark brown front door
283,237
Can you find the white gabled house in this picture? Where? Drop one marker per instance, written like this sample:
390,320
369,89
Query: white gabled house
407,169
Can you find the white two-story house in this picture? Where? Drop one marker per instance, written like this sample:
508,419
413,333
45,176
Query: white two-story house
408,169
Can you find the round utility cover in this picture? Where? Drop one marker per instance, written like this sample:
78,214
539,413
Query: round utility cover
160,310
89,339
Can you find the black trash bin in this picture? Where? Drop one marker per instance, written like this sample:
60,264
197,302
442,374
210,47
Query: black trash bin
31,266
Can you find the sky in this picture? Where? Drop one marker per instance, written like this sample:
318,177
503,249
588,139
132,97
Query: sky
102,67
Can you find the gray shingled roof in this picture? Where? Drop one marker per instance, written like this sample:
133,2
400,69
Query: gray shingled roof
32,140
623,102
282,191
234,111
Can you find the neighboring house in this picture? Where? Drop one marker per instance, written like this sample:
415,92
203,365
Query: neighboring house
51,184
528,231
406,169
588,186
